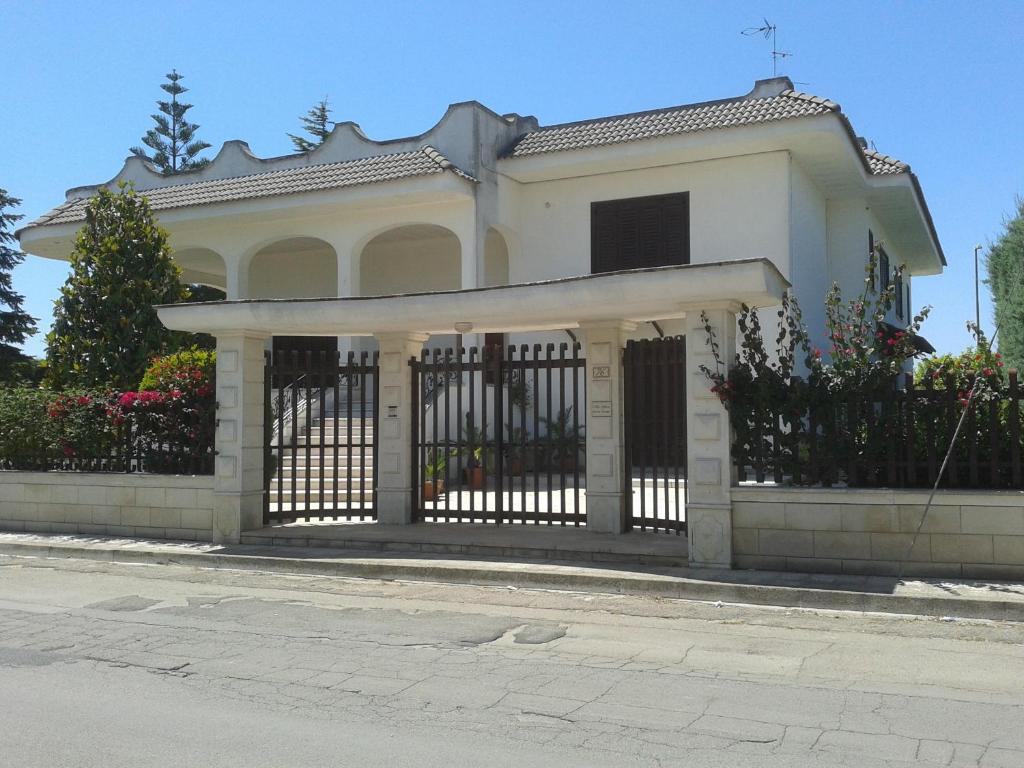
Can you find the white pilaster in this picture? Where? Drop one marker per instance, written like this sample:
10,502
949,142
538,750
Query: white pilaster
394,427
710,472
236,268
238,479
606,500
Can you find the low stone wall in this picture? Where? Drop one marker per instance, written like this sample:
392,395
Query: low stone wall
865,531
108,503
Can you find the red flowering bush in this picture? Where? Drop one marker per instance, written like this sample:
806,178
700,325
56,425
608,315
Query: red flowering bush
168,426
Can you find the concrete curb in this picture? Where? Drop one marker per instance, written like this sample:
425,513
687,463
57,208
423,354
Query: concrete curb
539,576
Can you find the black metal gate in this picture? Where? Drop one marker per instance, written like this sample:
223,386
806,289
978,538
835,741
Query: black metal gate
654,379
320,442
498,435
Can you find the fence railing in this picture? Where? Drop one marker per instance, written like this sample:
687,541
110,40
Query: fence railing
129,447
895,437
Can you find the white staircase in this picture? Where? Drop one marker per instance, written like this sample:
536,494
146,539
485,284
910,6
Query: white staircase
316,462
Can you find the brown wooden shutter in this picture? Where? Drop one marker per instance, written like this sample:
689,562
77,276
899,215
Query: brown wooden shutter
640,232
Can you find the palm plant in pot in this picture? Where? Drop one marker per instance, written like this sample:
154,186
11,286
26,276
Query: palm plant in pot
435,470
473,448
565,440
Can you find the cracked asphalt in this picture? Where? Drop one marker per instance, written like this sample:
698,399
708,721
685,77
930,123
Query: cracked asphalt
115,665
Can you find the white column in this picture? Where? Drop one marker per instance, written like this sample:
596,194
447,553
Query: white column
606,500
237,276
238,481
394,427
348,280
710,472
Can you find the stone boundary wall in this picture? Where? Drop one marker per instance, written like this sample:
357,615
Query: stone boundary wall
968,534
108,504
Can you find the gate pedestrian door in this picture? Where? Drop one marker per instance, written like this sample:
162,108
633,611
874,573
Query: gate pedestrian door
320,442
498,435
654,379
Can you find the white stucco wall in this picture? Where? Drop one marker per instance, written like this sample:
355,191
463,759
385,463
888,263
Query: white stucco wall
808,217
738,209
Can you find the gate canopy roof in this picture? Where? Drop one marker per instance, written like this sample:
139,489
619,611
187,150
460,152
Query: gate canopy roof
633,295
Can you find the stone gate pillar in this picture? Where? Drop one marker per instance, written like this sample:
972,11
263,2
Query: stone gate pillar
710,472
238,475
394,427
606,500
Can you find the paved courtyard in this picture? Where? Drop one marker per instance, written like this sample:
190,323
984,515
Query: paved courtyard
114,665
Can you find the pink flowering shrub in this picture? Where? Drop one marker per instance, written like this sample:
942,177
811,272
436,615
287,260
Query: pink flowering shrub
167,427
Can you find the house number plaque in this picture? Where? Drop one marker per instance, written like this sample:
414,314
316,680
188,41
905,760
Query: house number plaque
392,411
602,372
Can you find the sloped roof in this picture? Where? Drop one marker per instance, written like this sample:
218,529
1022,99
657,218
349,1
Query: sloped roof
882,165
368,170
688,118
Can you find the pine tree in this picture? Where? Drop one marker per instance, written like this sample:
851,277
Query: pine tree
1006,279
105,329
317,123
173,140
15,324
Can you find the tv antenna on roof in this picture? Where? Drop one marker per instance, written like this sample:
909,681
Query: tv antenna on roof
768,30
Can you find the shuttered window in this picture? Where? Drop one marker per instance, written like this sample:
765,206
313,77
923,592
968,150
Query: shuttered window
640,232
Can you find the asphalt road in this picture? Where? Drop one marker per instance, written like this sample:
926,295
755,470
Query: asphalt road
108,665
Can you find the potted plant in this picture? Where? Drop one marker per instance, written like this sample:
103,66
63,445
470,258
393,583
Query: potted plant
434,473
514,450
564,439
473,449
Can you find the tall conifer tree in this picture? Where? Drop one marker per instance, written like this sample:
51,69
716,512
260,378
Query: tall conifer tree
15,324
173,142
1006,278
317,123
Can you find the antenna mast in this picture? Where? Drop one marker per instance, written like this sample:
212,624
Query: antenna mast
768,31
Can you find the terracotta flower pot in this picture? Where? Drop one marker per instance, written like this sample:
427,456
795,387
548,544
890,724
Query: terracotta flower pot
432,489
476,477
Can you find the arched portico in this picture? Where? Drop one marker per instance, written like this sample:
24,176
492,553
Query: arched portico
202,266
413,258
294,268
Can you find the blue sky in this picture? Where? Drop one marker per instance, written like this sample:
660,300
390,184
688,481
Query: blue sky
936,84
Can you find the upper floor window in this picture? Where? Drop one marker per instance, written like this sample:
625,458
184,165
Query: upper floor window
640,232
899,295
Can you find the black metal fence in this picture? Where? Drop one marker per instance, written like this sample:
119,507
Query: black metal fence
320,446
498,435
654,392
894,437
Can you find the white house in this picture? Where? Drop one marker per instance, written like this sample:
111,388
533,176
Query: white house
609,228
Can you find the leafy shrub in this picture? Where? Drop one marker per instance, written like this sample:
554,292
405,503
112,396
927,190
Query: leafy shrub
190,370
25,429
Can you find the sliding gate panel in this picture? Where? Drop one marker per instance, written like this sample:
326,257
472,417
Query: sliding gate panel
320,445
654,391
498,435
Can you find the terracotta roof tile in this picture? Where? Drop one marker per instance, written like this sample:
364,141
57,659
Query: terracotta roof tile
311,178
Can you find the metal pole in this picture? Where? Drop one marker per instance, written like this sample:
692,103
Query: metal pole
977,300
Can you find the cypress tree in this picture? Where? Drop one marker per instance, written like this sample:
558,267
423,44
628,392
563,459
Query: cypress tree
1006,279
16,325
173,139
317,123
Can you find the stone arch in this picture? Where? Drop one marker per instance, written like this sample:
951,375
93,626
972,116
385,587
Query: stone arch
293,268
411,258
202,266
